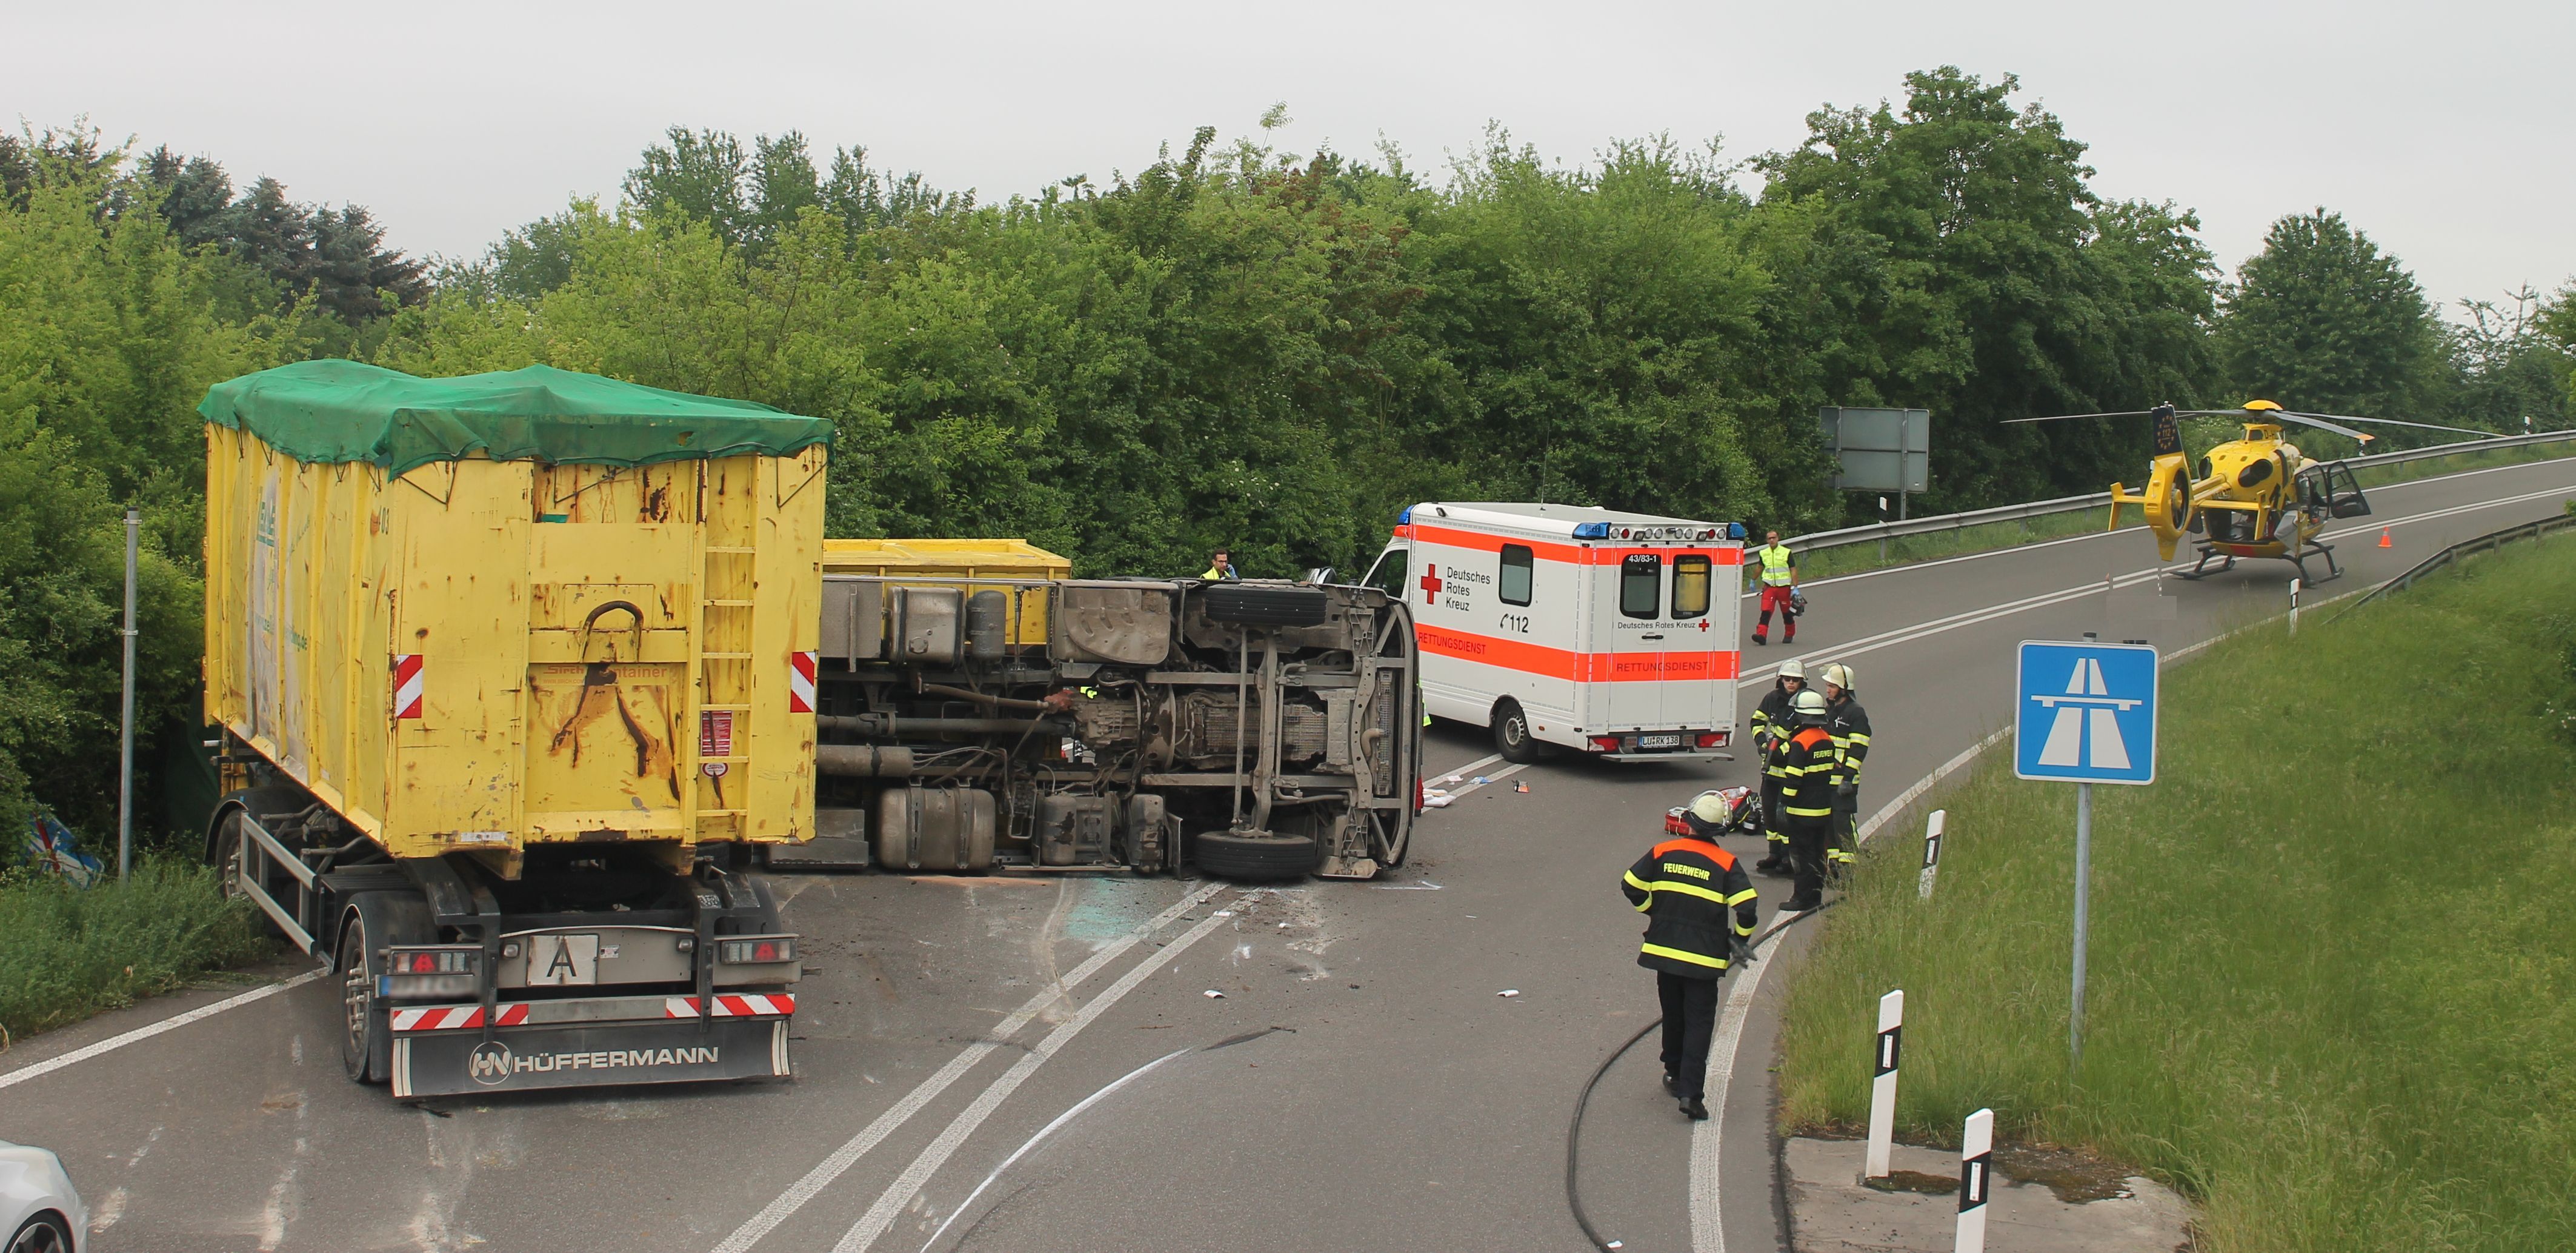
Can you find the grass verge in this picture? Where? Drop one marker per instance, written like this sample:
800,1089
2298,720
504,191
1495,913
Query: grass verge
2333,989
1916,549
66,954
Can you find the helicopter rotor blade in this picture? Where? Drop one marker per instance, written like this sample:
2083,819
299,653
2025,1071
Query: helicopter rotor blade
2063,417
2421,426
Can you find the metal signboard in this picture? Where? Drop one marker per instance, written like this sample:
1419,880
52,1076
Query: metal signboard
1880,450
2085,712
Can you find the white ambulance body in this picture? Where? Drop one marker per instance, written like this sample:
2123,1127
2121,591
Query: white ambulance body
1604,632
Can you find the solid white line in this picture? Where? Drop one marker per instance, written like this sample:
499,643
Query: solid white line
899,1194
1708,1230
1491,779
172,1023
1471,767
2104,534
1043,1132
842,1158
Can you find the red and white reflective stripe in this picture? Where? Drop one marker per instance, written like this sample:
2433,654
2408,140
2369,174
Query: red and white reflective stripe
406,685
746,1005
800,681
454,1017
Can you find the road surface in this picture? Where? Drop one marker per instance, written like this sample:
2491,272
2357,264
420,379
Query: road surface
1025,1063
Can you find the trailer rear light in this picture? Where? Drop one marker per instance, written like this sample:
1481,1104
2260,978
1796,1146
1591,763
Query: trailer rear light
1712,739
446,971
756,951
1605,743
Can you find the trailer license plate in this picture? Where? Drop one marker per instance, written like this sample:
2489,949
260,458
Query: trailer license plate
1659,741
563,960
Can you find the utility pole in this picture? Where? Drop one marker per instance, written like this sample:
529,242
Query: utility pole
125,733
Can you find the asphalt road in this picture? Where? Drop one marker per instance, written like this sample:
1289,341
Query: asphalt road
1034,1063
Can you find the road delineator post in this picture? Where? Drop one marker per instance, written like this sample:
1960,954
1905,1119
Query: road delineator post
1882,1084
1932,827
2294,606
1976,1179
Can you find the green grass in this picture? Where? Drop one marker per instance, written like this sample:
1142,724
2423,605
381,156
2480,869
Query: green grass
67,954
1915,549
2333,957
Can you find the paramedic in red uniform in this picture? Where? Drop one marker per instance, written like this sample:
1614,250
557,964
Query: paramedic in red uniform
1779,576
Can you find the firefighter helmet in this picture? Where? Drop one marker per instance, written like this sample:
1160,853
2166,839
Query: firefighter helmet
1839,675
1809,707
1794,669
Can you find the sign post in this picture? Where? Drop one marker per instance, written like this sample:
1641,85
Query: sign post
1880,450
2085,713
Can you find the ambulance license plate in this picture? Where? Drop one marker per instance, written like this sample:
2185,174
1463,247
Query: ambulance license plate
1659,741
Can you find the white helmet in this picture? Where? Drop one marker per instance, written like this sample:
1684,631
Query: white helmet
1840,676
1794,669
1809,703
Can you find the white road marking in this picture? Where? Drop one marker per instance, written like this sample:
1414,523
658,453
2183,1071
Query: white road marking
1708,1233
898,1195
1463,771
842,1158
139,1034
2104,534
1043,1132
1491,779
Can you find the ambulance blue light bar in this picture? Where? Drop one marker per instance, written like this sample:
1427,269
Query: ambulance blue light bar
1591,530
1405,518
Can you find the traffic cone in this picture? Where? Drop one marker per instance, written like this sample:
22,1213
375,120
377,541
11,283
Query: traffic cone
2384,541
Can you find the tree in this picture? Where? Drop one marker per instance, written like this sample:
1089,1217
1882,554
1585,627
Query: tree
2322,320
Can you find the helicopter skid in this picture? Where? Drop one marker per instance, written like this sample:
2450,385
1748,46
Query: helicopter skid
2201,570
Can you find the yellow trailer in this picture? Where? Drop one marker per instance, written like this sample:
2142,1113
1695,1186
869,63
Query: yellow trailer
516,653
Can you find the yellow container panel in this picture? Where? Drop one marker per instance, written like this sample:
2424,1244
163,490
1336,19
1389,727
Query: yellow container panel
1015,567
482,654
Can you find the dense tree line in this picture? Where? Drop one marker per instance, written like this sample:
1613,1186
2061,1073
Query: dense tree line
1232,345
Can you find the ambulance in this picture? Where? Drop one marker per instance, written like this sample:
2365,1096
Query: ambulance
1602,632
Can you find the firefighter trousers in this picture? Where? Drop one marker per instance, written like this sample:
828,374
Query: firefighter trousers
1690,1018
1842,833
1807,838
1773,829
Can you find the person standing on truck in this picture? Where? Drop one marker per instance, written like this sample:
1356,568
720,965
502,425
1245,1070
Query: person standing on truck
1221,568
1684,887
1850,729
1807,767
1770,727
1779,575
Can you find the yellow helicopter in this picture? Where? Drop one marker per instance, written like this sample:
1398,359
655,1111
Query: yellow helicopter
2251,497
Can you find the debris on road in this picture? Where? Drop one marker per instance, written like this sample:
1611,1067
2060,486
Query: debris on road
1509,992
1520,787
1213,995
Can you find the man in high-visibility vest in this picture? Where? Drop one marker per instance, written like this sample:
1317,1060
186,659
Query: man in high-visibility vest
1779,575
1221,567
1807,764
1770,726
1685,887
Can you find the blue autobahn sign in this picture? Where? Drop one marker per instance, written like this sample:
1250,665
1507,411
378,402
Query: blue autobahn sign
2085,712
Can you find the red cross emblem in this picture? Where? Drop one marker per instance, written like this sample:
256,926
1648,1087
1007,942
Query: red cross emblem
1703,626
1430,584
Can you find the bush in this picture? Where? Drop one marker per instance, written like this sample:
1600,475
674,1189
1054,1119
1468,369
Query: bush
67,953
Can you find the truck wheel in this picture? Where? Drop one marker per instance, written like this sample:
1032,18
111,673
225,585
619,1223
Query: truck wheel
1512,733
366,1039
1247,855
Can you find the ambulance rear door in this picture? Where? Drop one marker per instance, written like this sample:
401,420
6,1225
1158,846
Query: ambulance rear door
1629,637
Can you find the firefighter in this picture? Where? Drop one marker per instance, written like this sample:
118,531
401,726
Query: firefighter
1770,727
1850,729
1685,887
1221,568
1807,765
1779,578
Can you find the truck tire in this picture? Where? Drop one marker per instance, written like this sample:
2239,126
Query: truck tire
1512,736
374,920
1247,855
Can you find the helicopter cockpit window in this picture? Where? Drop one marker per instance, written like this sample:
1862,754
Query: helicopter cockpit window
2256,474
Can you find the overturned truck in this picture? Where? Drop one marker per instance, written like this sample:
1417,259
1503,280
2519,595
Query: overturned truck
1251,730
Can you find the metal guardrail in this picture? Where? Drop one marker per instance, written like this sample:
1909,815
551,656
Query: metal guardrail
2488,542
1883,531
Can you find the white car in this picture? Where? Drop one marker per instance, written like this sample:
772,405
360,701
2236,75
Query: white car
38,1206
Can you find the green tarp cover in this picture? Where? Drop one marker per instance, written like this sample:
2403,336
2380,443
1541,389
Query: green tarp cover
350,411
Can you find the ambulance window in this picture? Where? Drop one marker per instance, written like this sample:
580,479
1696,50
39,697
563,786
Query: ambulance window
1641,585
1690,586
1388,574
1518,564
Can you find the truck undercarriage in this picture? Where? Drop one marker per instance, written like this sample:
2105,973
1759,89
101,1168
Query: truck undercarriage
1255,730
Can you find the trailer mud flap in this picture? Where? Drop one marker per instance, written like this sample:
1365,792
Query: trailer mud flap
458,1062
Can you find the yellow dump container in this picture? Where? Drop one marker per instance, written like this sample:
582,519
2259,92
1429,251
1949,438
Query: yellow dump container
490,612
1014,566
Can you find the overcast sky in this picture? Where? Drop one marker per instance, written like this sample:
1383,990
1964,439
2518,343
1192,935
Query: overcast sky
2440,129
